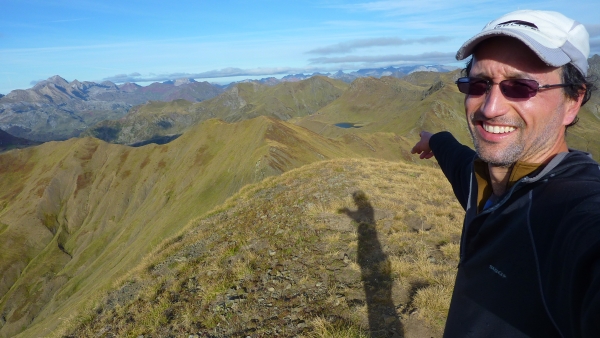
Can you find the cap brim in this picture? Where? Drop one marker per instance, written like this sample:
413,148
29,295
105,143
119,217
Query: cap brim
551,56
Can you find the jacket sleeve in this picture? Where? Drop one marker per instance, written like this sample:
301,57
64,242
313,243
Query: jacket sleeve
574,279
456,162
585,274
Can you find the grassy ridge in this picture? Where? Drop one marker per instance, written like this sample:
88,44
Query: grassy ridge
84,211
350,247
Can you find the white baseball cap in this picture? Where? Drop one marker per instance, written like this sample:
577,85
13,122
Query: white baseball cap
556,39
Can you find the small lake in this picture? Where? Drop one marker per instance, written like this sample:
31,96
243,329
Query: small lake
347,125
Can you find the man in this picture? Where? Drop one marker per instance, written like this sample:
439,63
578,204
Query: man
530,248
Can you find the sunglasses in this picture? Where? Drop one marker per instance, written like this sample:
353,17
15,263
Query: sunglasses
513,88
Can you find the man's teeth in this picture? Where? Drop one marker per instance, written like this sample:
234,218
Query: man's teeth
498,129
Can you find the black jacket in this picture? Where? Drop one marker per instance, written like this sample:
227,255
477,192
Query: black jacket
529,265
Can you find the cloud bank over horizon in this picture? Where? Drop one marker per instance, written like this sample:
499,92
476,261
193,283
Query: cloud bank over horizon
350,46
426,58
221,73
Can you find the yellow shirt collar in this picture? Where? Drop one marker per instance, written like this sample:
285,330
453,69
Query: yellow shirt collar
484,185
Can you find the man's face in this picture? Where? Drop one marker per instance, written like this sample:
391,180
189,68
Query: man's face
506,130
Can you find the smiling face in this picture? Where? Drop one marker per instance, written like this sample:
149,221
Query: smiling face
507,130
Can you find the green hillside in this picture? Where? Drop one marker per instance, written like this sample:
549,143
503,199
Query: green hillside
84,212
339,248
402,106
242,101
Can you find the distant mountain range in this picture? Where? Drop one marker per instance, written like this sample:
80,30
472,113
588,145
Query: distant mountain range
397,72
56,109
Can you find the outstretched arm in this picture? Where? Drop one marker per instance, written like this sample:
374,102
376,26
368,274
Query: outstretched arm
422,147
455,160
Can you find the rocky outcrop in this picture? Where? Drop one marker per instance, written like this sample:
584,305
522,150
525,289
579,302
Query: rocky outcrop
55,109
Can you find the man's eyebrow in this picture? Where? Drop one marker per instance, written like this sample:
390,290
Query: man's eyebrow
520,75
479,75
512,75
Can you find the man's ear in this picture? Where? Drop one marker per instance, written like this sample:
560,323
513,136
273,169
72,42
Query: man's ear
572,108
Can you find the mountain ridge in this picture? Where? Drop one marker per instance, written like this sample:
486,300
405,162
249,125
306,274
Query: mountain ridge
338,245
84,200
55,109
241,101
71,107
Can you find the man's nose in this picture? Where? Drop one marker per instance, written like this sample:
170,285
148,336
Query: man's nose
494,103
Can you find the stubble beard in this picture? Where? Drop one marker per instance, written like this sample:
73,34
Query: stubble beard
499,158
509,154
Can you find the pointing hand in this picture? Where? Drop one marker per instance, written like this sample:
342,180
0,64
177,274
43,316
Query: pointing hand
422,147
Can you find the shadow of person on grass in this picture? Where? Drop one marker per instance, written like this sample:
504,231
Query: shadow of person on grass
375,270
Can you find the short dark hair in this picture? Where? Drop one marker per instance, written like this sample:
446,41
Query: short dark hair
570,74
582,85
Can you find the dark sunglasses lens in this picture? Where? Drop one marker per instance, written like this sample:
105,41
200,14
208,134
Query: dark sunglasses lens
472,86
519,89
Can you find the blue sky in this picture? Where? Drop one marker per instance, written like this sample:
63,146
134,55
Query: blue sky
223,41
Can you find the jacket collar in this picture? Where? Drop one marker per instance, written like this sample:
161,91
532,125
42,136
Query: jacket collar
529,172
484,186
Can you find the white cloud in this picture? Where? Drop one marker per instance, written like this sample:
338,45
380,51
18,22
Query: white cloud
349,46
321,64
217,73
429,57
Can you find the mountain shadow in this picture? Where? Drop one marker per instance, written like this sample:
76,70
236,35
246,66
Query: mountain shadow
8,142
157,139
375,270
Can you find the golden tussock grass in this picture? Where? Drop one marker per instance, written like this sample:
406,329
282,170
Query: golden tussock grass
301,254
